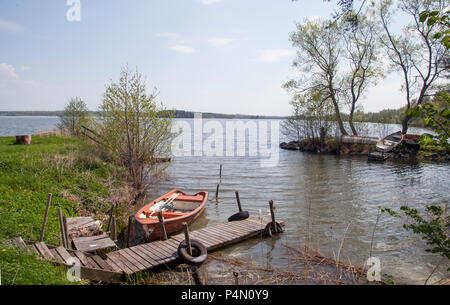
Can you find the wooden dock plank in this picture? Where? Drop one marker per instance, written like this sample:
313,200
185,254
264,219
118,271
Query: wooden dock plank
84,259
93,243
102,263
119,263
44,251
65,255
120,256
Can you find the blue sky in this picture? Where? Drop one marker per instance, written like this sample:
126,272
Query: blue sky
229,56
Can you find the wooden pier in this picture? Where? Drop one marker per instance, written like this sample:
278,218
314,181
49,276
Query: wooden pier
112,266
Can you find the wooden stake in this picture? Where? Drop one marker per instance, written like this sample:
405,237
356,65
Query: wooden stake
217,190
220,173
274,224
196,276
130,223
44,223
186,237
163,228
113,229
236,280
66,232
238,201
111,215
61,228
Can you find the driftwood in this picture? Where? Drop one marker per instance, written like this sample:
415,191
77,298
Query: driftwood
23,140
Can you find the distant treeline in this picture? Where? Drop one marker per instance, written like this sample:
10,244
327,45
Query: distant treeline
391,116
176,113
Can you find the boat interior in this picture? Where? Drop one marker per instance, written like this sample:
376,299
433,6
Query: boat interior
173,206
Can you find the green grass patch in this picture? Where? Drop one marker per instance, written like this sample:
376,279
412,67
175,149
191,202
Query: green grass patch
78,180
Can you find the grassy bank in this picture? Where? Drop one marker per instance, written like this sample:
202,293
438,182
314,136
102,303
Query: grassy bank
81,184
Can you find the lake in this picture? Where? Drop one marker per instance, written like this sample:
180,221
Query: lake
321,198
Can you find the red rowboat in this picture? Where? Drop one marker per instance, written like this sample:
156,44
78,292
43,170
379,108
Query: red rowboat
176,207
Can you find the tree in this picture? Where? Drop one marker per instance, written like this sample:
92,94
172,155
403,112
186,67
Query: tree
417,53
320,49
362,54
75,115
311,117
135,130
293,127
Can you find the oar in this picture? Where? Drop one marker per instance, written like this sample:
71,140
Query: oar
169,200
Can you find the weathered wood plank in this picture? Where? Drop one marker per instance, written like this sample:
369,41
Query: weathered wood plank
101,262
100,275
44,251
84,259
65,255
119,263
93,243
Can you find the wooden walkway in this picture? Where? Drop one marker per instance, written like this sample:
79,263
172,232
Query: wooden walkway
111,266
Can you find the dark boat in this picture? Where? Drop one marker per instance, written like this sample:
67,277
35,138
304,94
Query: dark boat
388,143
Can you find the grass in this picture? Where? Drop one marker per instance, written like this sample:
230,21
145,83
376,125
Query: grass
81,184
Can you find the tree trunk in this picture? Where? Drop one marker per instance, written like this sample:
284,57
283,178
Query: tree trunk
405,123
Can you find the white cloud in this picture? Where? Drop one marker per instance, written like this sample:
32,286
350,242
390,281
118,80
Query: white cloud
206,2
275,55
220,42
10,26
182,49
7,72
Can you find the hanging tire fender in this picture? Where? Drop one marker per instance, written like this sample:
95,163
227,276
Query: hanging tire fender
198,250
268,230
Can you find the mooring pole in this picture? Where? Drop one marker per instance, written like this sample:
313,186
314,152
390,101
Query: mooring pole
196,276
130,223
44,223
61,227
113,229
66,232
186,237
163,228
111,215
274,224
220,173
238,201
217,190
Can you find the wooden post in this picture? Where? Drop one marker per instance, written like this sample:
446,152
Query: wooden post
24,140
113,229
66,232
61,227
163,227
238,201
130,223
186,237
220,173
274,224
236,280
44,223
217,190
111,215
196,276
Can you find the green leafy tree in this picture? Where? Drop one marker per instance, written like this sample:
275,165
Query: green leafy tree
135,130
74,116
418,52
320,49
434,229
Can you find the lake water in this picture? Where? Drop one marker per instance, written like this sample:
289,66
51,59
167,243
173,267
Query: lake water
317,196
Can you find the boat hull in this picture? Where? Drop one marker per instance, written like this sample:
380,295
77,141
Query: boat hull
173,222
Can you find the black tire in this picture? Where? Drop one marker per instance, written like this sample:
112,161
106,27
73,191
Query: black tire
239,216
269,230
199,253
